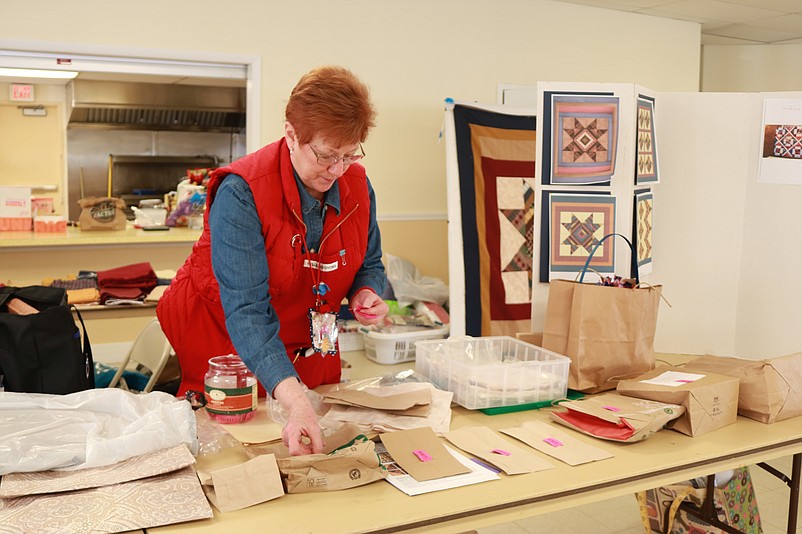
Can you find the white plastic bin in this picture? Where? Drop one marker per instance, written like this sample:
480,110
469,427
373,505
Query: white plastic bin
396,344
488,372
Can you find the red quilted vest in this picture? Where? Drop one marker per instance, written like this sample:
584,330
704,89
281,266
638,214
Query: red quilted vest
269,174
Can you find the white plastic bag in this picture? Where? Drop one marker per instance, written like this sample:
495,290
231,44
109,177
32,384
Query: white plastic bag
89,429
408,284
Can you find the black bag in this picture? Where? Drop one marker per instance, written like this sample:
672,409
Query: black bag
42,352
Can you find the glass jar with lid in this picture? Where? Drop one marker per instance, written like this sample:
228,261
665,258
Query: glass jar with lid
231,390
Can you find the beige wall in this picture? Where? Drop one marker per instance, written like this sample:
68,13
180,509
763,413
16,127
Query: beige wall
413,55
751,68
22,138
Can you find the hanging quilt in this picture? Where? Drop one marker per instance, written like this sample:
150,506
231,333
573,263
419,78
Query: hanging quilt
642,229
583,138
576,224
646,159
496,167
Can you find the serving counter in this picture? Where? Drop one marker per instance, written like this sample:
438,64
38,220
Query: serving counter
28,258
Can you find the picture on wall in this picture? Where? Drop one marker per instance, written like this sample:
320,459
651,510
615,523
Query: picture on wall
642,229
495,159
580,145
646,159
575,224
781,150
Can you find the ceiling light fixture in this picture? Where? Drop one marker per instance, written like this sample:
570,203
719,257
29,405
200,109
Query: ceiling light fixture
38,73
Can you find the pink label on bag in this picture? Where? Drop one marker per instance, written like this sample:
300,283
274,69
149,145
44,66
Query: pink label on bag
502,452
554,442
423,456
611,408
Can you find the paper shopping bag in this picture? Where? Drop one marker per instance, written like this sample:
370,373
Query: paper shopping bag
242,485
710,400
616,417
770,390
104,213
607,332
354,464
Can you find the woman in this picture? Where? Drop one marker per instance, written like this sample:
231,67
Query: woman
290,231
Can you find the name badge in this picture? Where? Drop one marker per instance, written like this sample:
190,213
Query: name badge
323,267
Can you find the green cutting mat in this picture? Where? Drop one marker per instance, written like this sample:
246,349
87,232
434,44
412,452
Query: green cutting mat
572,395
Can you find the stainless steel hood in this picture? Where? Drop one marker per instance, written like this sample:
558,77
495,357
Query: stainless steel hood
152,106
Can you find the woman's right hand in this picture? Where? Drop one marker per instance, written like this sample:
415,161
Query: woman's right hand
301,434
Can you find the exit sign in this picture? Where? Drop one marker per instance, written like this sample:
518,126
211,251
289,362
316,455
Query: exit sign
21,92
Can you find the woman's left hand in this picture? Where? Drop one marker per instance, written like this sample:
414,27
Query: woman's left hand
368,307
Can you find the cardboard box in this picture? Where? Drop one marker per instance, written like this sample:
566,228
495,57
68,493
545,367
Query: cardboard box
710,400
15,209
42,206
50,223
533,338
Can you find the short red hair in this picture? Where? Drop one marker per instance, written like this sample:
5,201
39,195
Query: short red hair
333,102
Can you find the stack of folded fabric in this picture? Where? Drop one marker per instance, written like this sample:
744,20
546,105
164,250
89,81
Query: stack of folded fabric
80,290
126,284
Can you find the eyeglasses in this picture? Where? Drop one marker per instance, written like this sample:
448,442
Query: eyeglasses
328,160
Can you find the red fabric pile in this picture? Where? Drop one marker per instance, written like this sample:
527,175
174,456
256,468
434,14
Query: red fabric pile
129,282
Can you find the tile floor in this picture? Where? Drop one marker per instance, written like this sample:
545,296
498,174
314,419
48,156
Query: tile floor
621,515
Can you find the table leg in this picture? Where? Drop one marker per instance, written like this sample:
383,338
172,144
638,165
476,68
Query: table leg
793,506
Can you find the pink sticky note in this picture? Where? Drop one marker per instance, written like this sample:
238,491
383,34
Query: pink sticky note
611,408
554,442
502,452
360,311
423,456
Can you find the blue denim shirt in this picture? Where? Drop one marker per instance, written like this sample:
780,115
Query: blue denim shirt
240,266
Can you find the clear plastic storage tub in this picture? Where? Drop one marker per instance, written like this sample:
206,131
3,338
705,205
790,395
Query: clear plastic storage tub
488,372
396,344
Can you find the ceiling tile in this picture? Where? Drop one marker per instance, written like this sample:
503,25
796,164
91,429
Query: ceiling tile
710,10
719,40
622,5
787,6
768,21
786,23
753,33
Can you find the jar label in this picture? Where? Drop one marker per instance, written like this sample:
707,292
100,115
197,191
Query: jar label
231,401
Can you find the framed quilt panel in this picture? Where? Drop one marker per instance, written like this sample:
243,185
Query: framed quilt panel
642,229
496,163
582,141
646,159
573,224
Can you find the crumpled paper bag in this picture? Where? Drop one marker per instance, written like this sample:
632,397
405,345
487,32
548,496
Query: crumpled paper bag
354,464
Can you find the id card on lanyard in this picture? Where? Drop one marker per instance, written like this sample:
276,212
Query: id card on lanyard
322,321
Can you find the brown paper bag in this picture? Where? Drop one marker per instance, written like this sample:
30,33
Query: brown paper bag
616,417
770,390
355,464
243,485
102,213
608,332
710,402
